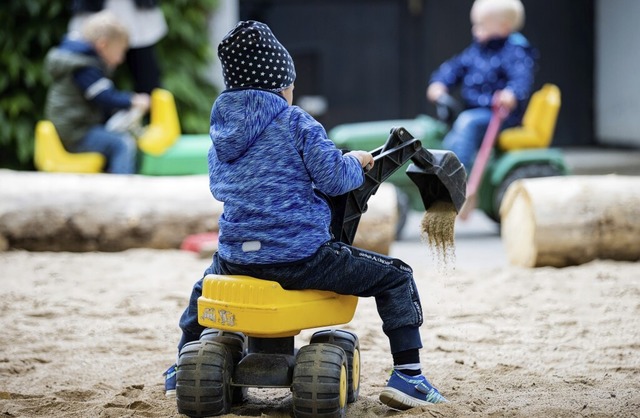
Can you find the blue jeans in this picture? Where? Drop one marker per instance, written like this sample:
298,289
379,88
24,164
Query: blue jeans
467,132
119,148
342,269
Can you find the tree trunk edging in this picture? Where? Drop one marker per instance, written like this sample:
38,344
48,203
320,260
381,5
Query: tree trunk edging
105,212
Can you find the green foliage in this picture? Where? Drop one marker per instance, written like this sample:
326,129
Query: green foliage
29,28
185,55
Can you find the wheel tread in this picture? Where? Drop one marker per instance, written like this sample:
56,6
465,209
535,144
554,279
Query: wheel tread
316,381
203,379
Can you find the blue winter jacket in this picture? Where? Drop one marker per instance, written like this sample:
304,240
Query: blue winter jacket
483,68
267,162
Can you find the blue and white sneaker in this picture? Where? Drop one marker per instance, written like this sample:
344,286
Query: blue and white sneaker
405,392
170,382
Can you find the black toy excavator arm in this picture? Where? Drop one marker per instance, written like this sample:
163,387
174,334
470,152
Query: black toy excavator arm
438,174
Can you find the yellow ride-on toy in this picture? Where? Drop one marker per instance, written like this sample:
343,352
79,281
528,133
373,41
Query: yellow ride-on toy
251,323
157,137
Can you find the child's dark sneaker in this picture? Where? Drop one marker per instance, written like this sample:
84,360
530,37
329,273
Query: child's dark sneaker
405,392
170,382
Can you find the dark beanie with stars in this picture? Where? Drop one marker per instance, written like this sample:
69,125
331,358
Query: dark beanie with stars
252,57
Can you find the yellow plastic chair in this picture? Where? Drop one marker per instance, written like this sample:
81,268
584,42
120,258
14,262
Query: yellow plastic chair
164,129
538,123
51,156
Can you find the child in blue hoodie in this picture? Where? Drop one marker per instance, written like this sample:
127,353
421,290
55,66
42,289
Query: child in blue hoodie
269,163
82,96
495,70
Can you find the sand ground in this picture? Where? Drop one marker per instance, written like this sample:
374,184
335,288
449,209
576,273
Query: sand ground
89,334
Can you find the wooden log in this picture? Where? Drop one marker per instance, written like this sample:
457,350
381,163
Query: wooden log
562,221
104,212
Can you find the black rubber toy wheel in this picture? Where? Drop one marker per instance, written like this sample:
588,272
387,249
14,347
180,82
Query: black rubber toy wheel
349,342
234,341
320,382
236,344
203,386
528,171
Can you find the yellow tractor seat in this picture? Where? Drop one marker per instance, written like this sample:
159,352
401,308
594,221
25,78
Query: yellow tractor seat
538,123
164,127
262,308
51,156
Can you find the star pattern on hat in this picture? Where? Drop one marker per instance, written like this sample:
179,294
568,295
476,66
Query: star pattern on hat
249,42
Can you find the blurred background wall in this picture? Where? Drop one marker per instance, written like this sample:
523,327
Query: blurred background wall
617,70
363,60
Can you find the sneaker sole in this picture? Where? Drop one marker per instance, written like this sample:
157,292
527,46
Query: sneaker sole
171,394
396,399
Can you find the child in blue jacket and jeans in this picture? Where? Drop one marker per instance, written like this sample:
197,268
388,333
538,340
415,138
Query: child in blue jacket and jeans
269,162
496,69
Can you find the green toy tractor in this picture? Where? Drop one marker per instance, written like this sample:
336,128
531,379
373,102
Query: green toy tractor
521,152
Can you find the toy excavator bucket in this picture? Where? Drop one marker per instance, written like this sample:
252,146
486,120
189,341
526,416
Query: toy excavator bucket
438,174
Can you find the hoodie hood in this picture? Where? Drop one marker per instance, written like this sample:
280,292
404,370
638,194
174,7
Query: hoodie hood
238,117
69,55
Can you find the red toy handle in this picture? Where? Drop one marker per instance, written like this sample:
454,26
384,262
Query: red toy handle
498,115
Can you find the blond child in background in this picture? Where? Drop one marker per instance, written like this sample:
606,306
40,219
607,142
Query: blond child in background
495,70
82,97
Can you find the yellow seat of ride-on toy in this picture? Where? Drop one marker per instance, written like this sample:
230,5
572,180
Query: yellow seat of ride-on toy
164,127
538,123
262,308
51,156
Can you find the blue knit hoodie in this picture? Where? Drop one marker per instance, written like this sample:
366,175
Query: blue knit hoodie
266,163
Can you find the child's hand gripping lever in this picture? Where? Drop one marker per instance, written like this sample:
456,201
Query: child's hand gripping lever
365,158
447,108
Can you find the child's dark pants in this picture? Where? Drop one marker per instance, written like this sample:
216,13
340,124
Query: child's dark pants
342,269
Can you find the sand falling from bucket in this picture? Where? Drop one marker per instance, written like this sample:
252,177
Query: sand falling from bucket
437,231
